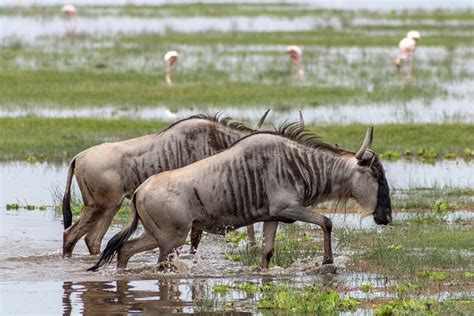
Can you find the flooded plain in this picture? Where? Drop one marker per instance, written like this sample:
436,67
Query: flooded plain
41,184
438,111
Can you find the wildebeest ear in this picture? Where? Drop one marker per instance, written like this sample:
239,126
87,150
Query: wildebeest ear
367,159
262,119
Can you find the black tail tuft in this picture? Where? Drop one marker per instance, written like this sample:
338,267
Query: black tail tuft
67,214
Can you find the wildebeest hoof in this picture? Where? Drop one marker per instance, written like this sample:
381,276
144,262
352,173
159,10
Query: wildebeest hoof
172,266
328,269
328,261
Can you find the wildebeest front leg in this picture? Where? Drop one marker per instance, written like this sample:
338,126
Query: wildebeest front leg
269,232
300,213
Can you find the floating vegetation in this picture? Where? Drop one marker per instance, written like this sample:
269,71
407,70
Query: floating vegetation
29,207
289,297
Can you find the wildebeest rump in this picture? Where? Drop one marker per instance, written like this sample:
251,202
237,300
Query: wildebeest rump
110,172
263,177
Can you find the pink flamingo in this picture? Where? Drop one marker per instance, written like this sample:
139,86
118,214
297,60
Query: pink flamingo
407,47
71,15
171,59
295,55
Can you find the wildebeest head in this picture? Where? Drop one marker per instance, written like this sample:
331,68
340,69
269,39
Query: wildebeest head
369,186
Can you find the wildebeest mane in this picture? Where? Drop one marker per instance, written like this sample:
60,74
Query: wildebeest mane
295,131
218,118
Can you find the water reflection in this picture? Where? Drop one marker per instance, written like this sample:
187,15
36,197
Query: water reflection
148,297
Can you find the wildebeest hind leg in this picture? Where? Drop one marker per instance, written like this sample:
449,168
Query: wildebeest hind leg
79,229
169,242
143,243
94,237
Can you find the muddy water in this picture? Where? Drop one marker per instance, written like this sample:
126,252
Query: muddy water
43,184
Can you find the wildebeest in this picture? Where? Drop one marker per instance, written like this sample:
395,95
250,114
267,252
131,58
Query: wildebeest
110,172
267,176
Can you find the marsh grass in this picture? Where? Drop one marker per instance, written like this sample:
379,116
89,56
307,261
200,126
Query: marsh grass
432,199
407,249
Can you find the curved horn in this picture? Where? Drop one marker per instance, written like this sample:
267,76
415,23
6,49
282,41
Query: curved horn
301,119
262,119
367,143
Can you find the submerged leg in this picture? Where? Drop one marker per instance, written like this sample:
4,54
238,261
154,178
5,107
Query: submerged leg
145,242
299,213
268,243
94,237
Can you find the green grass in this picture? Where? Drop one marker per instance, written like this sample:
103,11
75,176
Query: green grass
32,89
61,139
356,37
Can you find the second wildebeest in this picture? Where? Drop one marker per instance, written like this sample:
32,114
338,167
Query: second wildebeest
110,172
267,176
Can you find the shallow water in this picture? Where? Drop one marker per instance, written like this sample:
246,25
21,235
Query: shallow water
437,111
30,28
32,270
43,184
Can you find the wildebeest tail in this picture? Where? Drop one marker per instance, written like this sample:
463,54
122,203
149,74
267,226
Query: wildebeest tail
67,214
117,242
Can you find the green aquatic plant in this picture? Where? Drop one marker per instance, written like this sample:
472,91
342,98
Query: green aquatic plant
221,289
13,206
435,275
441,207
309,299
450,156
31,159
366,287
405,307
390,155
